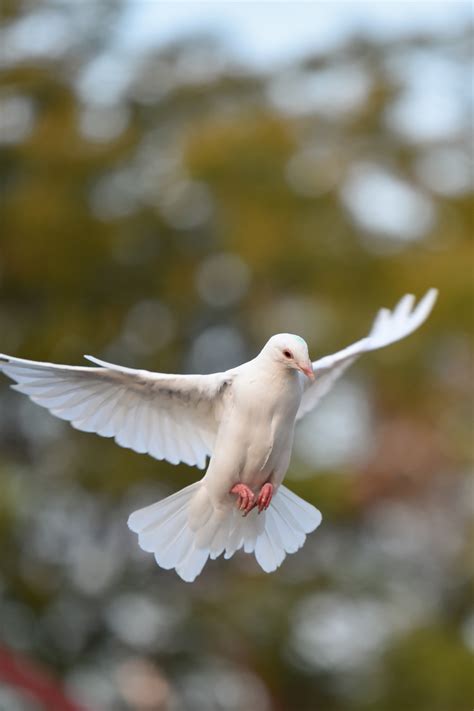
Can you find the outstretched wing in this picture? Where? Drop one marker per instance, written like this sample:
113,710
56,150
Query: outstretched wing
173,417
388,327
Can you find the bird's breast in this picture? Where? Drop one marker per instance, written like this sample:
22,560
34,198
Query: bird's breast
258,433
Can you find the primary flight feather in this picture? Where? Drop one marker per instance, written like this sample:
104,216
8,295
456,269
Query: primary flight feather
242,419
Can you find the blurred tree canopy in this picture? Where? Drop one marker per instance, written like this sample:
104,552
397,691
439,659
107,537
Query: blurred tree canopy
170,211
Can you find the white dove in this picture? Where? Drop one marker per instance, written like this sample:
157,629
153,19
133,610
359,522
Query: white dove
243,419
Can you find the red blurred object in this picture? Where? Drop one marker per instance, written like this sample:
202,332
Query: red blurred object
409,458
30,679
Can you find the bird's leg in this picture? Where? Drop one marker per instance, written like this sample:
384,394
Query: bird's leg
246,498
265,496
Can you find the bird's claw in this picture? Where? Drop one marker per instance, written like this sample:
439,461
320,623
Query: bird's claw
265,496
246,500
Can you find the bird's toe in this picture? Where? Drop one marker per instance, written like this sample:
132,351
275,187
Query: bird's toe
265,497
246,499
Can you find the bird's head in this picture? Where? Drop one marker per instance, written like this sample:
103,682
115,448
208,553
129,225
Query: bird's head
291,351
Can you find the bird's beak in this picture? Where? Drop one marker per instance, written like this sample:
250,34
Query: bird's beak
308,370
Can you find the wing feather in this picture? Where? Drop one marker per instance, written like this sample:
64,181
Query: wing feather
173,417
388,327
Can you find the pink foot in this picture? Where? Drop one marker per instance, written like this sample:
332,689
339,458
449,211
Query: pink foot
246,496
265,496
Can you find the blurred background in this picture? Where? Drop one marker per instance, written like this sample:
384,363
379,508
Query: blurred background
180,181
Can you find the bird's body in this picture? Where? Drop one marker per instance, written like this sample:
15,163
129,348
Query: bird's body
255,436
243,420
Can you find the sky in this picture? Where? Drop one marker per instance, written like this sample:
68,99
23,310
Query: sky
264,32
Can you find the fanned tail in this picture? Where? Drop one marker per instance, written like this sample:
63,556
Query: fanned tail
163,529
287,522
185,529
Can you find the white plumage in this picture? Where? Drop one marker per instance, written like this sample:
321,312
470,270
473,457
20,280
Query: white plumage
242,419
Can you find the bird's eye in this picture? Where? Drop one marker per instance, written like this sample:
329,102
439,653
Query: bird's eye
288,354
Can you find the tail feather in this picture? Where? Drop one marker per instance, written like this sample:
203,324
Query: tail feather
185,529
236,536
173,552
169,526
268,554
141,518
274,532
221,537
192,564
305,515
252,528
293,537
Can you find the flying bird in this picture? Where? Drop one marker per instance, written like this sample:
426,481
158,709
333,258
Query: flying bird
242,420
